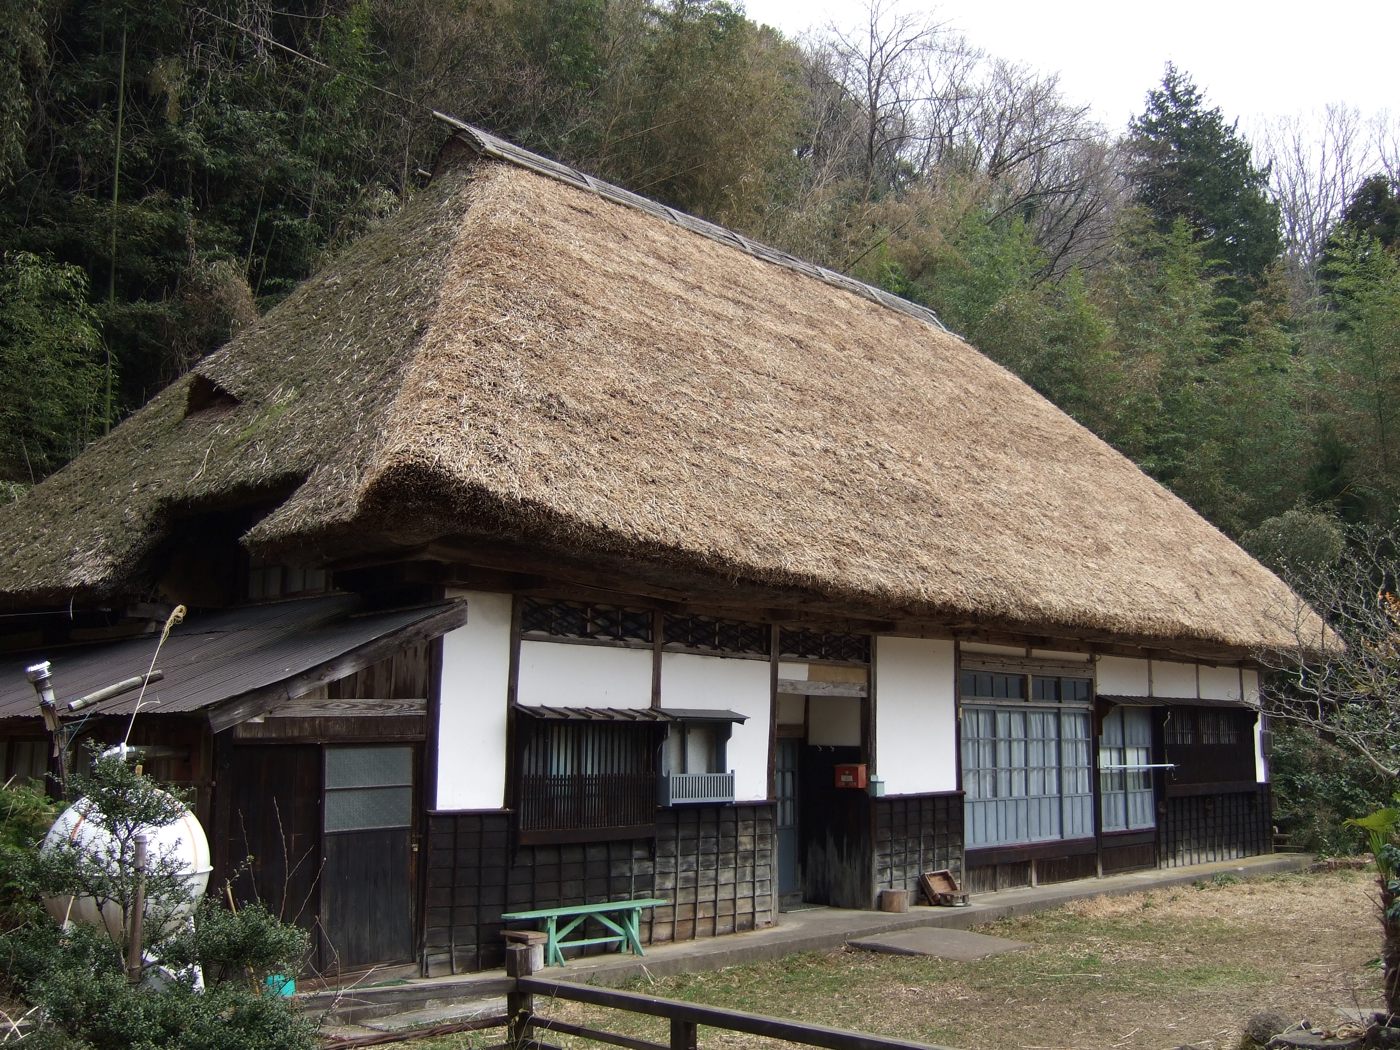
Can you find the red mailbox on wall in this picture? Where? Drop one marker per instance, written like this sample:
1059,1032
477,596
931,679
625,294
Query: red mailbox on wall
851,775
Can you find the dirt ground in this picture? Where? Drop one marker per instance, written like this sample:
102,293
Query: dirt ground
1149,970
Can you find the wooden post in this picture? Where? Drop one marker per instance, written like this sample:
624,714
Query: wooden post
685,1035
520,1006
138,909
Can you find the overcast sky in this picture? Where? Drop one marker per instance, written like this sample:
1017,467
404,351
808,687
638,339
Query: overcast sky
1254,60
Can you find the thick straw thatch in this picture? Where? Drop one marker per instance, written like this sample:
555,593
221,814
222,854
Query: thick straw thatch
517,356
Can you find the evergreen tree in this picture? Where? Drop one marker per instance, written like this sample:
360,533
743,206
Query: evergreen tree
1374,211
1190,165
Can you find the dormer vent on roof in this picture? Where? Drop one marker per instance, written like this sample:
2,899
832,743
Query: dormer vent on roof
207,399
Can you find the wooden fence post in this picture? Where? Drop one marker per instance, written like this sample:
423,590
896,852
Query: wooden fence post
685,1035
520,1006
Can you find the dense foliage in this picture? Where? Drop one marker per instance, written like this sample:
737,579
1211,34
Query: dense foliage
171,169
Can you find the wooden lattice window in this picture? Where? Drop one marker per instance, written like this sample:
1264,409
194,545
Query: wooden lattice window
1181,726
1218,727
801,643
270,580
1210,745
582,780
585,621
710,634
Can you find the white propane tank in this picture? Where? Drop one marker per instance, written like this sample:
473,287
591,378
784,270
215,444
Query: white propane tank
182,841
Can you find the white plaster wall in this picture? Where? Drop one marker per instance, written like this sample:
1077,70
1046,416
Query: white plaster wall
1251,687
557,674
1220,683
797,672
916,722
689,680
1172,679
471,729
1121,676
1261,763
792,709
833,721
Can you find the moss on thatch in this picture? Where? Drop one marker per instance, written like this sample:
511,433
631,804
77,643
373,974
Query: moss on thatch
517,355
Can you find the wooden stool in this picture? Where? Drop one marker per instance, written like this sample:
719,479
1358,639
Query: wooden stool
532,939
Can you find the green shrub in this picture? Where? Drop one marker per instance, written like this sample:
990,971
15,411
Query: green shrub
25,815
75,977
1317,787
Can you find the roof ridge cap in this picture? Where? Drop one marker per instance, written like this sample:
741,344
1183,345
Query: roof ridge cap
486,144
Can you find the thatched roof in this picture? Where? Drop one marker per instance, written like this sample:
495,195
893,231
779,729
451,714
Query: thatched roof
525,353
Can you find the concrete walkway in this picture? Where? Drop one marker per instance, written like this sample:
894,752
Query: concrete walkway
364,1008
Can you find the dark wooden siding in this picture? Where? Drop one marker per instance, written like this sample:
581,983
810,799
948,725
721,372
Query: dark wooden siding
1205,826
714,863
1129,853
914,834
367,898
402,676
1010,867
274,829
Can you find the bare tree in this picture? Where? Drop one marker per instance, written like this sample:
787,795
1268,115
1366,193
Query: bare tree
1341,677
1385,139
1046,161
1315,166
896,65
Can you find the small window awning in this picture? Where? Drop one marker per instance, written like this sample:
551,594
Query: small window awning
1173,701
234,664
703,714
627,714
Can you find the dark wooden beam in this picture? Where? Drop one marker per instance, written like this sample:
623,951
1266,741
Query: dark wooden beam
501,565
348,708
802,687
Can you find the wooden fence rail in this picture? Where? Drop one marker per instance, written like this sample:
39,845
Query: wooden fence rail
525,1026
685,1018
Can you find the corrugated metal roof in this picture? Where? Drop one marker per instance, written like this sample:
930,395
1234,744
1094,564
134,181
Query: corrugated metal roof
628,714
592,714
703,714
1172,701
215,657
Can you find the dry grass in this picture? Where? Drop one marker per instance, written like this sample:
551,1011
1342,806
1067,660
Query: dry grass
1151,970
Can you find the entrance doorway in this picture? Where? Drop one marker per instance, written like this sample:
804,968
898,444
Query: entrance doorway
367,885
329,831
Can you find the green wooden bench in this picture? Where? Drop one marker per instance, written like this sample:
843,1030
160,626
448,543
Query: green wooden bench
623,918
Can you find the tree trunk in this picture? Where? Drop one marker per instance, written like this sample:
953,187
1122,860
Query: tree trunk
1390,944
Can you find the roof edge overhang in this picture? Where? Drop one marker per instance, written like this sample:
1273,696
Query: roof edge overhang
436,621
551,552
627,715
1176,701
